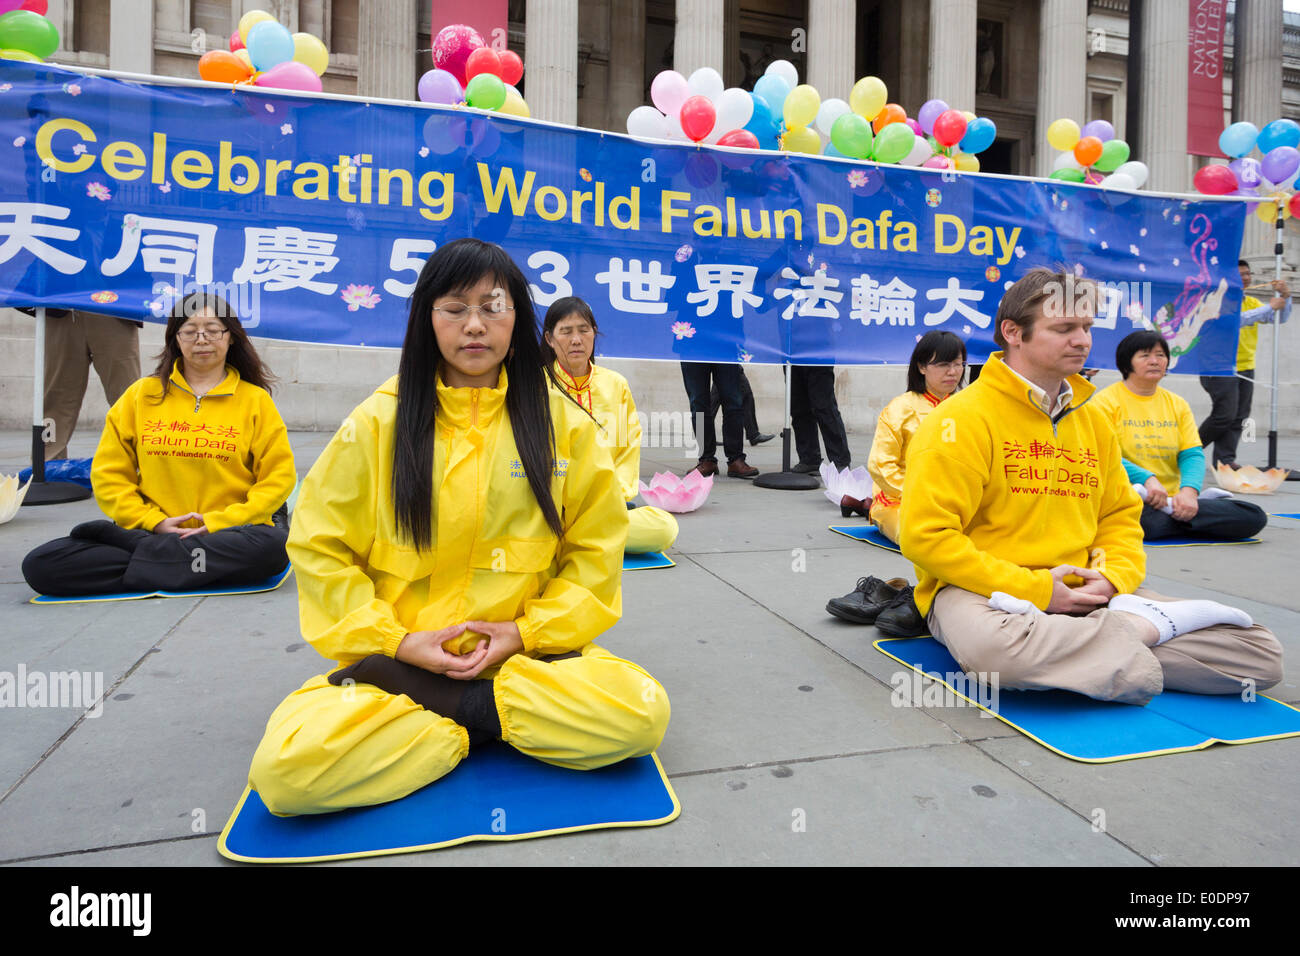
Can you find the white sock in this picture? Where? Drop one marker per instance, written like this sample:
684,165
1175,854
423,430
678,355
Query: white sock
1002,601
1212,493
1172,618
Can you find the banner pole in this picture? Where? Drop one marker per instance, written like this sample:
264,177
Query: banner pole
785,479
40,491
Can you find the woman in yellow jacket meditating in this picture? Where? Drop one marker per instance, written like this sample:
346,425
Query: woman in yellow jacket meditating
193,467
458,548
568,342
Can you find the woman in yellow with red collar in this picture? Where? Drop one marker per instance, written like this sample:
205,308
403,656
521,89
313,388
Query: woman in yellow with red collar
458,548
568,343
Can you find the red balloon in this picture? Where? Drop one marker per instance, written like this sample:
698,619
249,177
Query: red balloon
512,68
1294,204
483,60
949,128
235,42
698,116
739,137
39,7
1215,180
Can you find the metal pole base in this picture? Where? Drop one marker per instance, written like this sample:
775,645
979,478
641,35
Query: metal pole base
788,481
54,493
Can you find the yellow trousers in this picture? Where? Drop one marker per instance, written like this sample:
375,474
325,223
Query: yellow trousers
649,529
886,518
328,747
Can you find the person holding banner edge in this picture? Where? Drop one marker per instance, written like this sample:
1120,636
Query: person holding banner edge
458,548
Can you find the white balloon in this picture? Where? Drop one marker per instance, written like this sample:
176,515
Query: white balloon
830,111
1118,180
674,124
706,81
1066,160
785,70
920,152
734,107
1136,171
648,122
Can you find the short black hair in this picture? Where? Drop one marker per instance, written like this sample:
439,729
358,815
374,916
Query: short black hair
1132,344
935,346
1242,262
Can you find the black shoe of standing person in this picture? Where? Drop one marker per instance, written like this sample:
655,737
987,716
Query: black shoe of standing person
901,617
805,468
760,438
867,599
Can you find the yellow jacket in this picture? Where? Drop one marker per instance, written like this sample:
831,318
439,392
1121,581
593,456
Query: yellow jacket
362,588
997,494
608,397
894,430
225,455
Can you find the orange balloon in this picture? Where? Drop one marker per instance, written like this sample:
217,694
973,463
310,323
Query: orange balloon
890,113
222,66
1087,150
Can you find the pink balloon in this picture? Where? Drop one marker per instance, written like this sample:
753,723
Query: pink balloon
697,117
452,47
8,6
235,42
668,91
290,76
938,162
914,126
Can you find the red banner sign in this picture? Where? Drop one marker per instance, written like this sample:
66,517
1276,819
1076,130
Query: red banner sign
1205,76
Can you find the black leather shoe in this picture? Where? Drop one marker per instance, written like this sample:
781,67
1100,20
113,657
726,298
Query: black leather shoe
803,468
901,617
866,600
760,438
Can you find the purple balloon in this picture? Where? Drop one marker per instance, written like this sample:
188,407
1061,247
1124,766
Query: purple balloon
1247,193
1100,129
1280,163
1247,172
439,86
928,113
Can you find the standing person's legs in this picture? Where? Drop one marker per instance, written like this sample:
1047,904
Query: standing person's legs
1223,409
1245,383
747,400
801,418
233,557
115,351
696,376
733,411
820,385
67,368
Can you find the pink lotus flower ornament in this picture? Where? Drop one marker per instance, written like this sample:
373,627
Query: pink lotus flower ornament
678,495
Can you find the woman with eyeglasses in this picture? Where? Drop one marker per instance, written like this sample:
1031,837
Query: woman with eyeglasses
568,342
458,548
193,468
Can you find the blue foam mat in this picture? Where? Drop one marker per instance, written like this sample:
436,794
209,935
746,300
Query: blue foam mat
643,562
1284,514
496,793
270,584
1184,540
868,533
1097,731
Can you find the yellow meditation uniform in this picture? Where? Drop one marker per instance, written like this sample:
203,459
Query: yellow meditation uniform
894,430
362,587
1152,429
606,395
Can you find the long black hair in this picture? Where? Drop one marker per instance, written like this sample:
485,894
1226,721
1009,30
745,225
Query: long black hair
454,268
935,346
240,355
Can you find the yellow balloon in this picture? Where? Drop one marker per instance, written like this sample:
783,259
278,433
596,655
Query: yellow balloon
966,163
514,105
250,20
19,55
1063,134
244,58
801,106
801,140
1267,212
309,50
868,97
968,114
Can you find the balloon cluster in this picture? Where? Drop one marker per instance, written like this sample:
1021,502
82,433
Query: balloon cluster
468,71
25,34
1090,152
1270,178
700,110
952,136
264,53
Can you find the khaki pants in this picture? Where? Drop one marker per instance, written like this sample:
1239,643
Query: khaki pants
72,345
1101,655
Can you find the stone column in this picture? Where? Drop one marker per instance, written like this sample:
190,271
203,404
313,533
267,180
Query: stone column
698,39
1062,71
551,73
386,49
1257,90
130,36
952,52
626,62
831,29
1163,111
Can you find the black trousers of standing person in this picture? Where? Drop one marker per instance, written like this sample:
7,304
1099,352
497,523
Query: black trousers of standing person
101,558
1230,397
813,406
1229,518
747,396
697,377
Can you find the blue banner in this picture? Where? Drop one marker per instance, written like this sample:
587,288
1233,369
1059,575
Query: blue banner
315,215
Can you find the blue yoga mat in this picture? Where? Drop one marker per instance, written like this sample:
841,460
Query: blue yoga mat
868,533
643,562
270,584
495,794
1285,514
1096,731
1186,540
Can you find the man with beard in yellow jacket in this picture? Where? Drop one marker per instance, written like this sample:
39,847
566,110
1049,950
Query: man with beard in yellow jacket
1023,528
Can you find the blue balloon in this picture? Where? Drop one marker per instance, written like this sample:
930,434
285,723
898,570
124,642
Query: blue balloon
830,150
980,134
772,90
1282,132
1238,139
761,123
269,44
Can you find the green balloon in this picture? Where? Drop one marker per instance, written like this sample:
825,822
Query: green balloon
486,92
893,142
851,135
1114,154
1068,175
28,31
